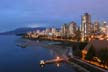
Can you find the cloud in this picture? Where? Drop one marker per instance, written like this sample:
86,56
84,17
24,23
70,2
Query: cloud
19,13
35,25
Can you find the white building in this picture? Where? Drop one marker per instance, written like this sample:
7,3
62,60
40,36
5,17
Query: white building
65,30
53,30
104,27
96,26
72,28
86,26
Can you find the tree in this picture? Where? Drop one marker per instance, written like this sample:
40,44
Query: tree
90,53
103,56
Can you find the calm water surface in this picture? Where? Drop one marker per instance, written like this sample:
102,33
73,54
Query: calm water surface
20,55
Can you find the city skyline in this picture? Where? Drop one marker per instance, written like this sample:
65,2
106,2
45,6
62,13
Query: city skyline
87,30
14,14
53,36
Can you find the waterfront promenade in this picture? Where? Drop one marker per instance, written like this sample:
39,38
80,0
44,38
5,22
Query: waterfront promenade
89,66
75,44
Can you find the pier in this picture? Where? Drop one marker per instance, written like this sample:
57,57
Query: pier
57,60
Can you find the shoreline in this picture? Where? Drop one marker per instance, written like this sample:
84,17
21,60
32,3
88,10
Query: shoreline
76,63
86,67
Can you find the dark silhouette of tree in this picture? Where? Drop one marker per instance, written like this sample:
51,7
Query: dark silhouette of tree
103,56
106,57
90,53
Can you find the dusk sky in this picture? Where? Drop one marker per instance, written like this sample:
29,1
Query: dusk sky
34,13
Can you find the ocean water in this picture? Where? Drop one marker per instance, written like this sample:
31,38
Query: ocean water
21,55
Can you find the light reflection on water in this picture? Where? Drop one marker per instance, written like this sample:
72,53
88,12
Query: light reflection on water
21,55
54,50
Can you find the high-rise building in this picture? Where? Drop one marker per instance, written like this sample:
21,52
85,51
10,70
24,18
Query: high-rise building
107,30
72,28
54,31
96,26
86,25
64,30
104,24
104,27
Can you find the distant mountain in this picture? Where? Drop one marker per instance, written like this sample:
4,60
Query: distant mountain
20,31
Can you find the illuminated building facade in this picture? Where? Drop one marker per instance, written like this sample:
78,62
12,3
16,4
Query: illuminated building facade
64,30
72,28
86,25
96,26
